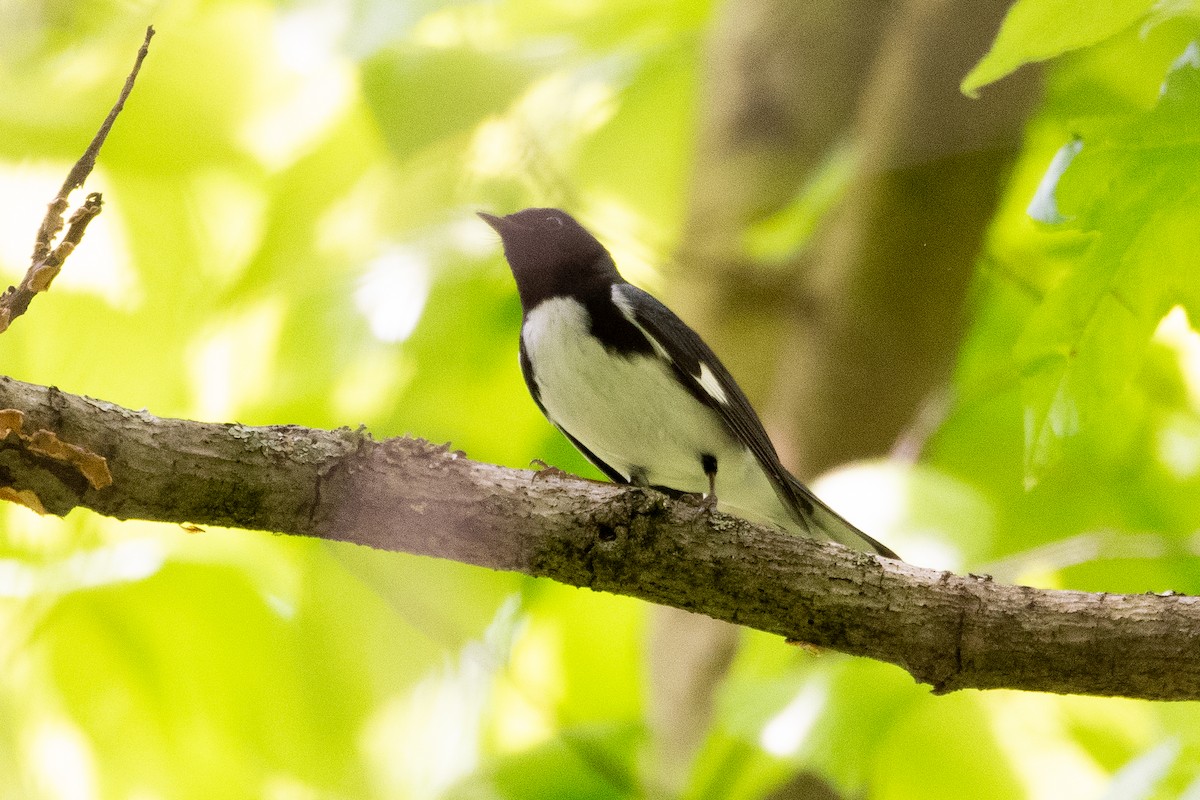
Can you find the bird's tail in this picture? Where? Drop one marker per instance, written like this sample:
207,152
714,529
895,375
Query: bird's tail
826,523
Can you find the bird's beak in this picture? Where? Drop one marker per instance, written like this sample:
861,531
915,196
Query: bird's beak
499,224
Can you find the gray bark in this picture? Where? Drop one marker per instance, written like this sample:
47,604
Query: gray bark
949,631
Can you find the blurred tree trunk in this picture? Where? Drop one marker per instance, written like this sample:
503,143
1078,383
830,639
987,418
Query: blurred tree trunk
840,349
889,274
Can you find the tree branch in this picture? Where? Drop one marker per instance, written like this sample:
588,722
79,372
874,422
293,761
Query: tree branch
407,495
48,259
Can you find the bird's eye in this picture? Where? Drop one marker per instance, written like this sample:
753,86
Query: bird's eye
554,222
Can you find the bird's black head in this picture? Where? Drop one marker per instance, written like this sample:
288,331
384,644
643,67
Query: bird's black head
551,255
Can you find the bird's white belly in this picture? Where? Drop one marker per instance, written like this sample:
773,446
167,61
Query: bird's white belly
634,415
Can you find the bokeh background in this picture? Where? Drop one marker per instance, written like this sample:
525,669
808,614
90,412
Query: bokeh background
970,321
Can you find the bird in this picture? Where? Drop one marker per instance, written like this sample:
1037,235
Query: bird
638,392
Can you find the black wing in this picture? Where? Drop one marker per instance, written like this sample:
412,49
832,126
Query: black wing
531,384
687,353
835,525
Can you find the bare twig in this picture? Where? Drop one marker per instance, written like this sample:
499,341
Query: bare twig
47,258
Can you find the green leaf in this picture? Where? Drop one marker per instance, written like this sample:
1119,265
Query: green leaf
1131,190
1035,30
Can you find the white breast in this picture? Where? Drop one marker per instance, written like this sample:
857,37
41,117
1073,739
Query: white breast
617,407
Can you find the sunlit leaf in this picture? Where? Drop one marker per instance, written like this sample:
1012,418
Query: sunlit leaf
1035,30
1128,189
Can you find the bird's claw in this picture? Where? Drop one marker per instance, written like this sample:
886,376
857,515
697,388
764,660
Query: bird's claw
708,502
545,470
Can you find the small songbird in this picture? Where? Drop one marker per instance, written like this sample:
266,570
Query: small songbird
638,391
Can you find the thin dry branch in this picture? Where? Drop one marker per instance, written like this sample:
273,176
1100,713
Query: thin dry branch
48,259
950,631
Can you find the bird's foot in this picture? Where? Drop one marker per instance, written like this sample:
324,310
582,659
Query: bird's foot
545,470
708,502
810,649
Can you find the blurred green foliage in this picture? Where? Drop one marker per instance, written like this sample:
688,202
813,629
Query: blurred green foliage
288,237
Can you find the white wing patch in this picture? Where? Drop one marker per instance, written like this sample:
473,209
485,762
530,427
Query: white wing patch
707,380
626,308
710,384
